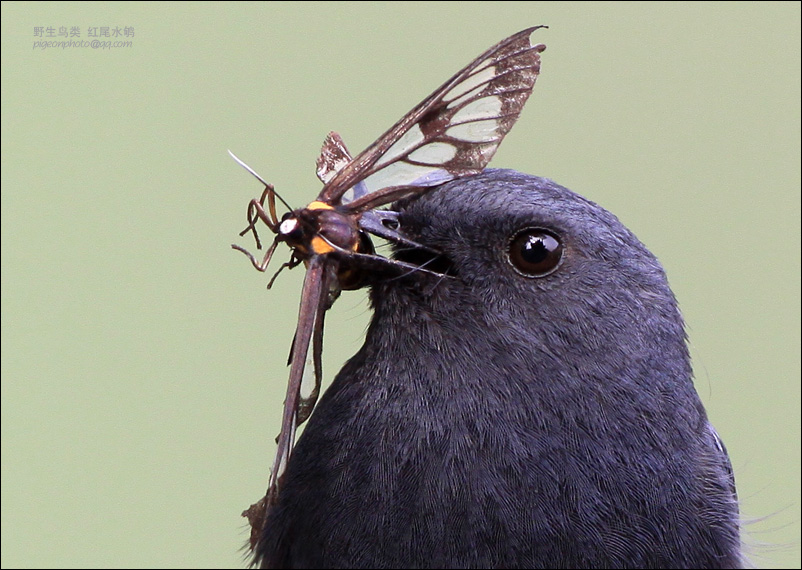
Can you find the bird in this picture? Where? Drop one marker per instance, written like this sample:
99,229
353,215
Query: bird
526,402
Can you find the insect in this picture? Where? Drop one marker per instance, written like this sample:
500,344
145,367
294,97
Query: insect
451,134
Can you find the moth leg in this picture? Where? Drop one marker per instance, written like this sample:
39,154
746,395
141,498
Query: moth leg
260,266
293,262
256,212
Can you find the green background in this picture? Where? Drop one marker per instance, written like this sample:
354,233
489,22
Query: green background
143,360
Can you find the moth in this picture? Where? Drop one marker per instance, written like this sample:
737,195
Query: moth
451,134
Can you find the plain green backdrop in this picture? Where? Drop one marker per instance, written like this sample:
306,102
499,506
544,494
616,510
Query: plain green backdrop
143,360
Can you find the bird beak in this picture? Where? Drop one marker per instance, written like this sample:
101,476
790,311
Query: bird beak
385,224
409,253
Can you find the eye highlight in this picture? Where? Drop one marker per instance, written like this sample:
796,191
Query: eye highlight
535,252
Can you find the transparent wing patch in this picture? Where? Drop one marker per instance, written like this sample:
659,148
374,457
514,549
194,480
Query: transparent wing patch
453,133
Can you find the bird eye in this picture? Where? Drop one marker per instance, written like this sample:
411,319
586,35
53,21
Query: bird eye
535,252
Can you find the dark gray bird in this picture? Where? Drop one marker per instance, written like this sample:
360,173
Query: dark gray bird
533,409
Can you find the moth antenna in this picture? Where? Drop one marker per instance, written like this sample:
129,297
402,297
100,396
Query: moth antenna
260,179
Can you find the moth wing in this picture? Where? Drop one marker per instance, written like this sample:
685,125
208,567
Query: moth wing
452,133
305,363
334,156
313,363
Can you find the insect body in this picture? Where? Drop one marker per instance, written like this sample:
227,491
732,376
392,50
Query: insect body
451,134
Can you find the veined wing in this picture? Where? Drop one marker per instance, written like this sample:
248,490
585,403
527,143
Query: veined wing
334,156
305,362
453,133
